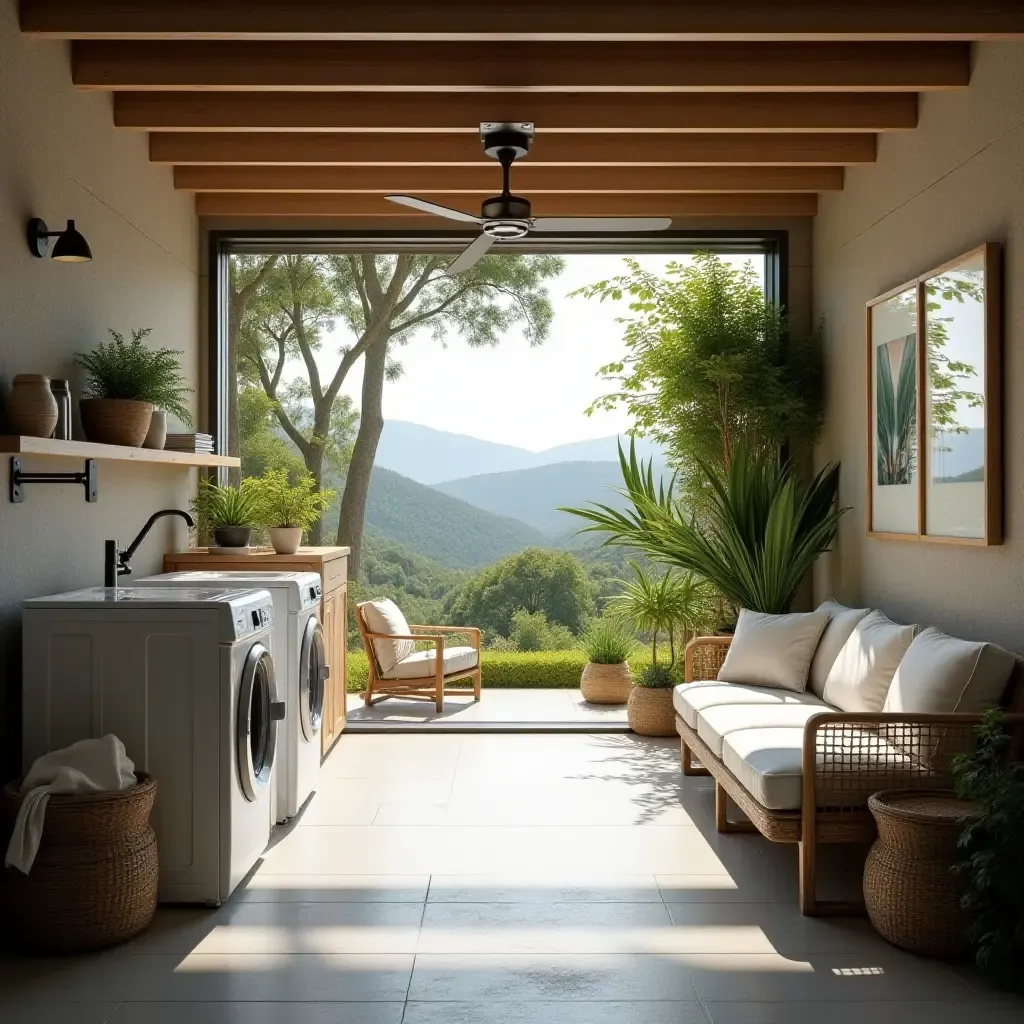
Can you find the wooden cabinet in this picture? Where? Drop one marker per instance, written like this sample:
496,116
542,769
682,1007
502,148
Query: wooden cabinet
332,565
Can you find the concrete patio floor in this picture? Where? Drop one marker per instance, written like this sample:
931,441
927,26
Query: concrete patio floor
507,710
508,879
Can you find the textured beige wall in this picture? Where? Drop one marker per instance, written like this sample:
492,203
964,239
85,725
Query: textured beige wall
60,158
957,181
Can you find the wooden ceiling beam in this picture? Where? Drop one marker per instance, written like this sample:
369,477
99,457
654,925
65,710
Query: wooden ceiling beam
297,204
528,67
529,180
840,20
379,149
560,112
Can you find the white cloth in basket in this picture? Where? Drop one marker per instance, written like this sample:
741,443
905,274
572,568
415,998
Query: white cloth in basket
88,766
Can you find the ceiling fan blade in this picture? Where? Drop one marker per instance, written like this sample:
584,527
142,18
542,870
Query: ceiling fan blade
470,255
598,224
438,211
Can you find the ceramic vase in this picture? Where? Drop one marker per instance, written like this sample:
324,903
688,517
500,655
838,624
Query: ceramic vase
157,436
31,407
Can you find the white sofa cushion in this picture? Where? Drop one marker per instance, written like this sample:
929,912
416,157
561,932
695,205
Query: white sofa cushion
690,699
715,724
773,650
941,673
862,673
841,623
384,616
769,764
422,664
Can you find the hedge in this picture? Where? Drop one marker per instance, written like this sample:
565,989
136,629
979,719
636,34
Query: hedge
526,670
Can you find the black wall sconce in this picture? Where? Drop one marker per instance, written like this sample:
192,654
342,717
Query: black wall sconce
70,247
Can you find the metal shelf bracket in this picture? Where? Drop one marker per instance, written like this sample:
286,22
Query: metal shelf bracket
87,478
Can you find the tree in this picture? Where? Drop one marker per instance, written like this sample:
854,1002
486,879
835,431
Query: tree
710,364
552,582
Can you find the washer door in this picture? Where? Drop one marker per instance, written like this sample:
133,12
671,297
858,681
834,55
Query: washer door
259,711
313,671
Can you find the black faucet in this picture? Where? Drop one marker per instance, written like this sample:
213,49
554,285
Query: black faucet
119,563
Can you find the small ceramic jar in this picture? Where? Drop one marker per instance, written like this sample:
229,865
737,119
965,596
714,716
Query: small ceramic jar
31,408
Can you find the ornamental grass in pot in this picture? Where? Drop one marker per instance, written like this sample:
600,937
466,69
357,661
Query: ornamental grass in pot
606,678
288,511
230,513
650,711
125,381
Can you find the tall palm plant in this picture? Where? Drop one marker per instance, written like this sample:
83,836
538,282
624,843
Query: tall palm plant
759,535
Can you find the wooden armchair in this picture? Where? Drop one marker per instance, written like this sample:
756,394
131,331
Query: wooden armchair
424,674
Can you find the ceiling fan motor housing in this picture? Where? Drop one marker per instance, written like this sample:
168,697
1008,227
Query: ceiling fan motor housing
506,216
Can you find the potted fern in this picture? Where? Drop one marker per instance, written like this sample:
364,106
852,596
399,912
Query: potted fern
125,381
289,511
230,513
606,678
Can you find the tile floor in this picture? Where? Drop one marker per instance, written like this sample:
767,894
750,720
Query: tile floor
507,879
508,708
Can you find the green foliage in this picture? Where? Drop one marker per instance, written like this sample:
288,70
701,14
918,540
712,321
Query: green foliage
531,631
215,506
606,643
552,582
709,364
261,449
657,677
896,416
121,369
281,504
992,848
760,534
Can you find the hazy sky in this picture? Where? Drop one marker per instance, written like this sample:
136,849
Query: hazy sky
514,394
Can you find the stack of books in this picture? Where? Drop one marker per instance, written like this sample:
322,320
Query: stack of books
201,444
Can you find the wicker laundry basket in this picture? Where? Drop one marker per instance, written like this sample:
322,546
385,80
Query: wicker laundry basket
910,890
606,684
94,879
650,711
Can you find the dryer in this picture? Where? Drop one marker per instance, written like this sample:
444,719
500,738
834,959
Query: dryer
301,659
185,678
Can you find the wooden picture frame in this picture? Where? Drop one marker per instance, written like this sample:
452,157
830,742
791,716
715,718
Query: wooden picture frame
928,424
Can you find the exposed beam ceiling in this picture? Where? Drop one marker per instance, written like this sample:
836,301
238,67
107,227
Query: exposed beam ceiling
528,67
382,149
698,20
554,112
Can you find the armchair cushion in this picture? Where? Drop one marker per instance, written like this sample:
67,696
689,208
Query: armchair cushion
842,622
859,679
384,616
691,699
773,650
423,664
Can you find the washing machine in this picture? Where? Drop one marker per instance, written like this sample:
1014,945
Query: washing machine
186,679
302,670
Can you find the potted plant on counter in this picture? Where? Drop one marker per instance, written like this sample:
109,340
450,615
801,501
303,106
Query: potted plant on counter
289,511
125,381
229,512
606,678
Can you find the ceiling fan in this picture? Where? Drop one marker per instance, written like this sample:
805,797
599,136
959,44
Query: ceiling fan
507,217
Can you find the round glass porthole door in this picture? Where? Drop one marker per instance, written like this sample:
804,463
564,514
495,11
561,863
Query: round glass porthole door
259,711
313,671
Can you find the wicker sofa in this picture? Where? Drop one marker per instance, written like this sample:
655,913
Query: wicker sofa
801,770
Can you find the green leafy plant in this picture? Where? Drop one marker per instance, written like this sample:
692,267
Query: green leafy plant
121,369
216,506
657,677
283,504
606,643
992,848
759,535
531,631
897,413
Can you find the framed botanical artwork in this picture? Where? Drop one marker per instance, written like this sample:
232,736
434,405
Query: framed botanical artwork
934,389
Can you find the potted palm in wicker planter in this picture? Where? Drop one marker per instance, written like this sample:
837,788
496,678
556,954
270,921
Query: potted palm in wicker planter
606,678
289,511
125,382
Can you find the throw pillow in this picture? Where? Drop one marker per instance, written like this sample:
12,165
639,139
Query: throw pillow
773,650
862,672
841,623
384,616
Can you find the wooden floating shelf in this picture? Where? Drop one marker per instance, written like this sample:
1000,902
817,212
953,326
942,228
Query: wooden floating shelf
48,446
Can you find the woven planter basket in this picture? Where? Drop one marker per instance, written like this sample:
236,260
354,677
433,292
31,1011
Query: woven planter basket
911,893
650,711
94,880
606,684
116,420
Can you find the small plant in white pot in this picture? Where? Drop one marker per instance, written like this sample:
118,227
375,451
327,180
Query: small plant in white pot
288,511
230,513
606,678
